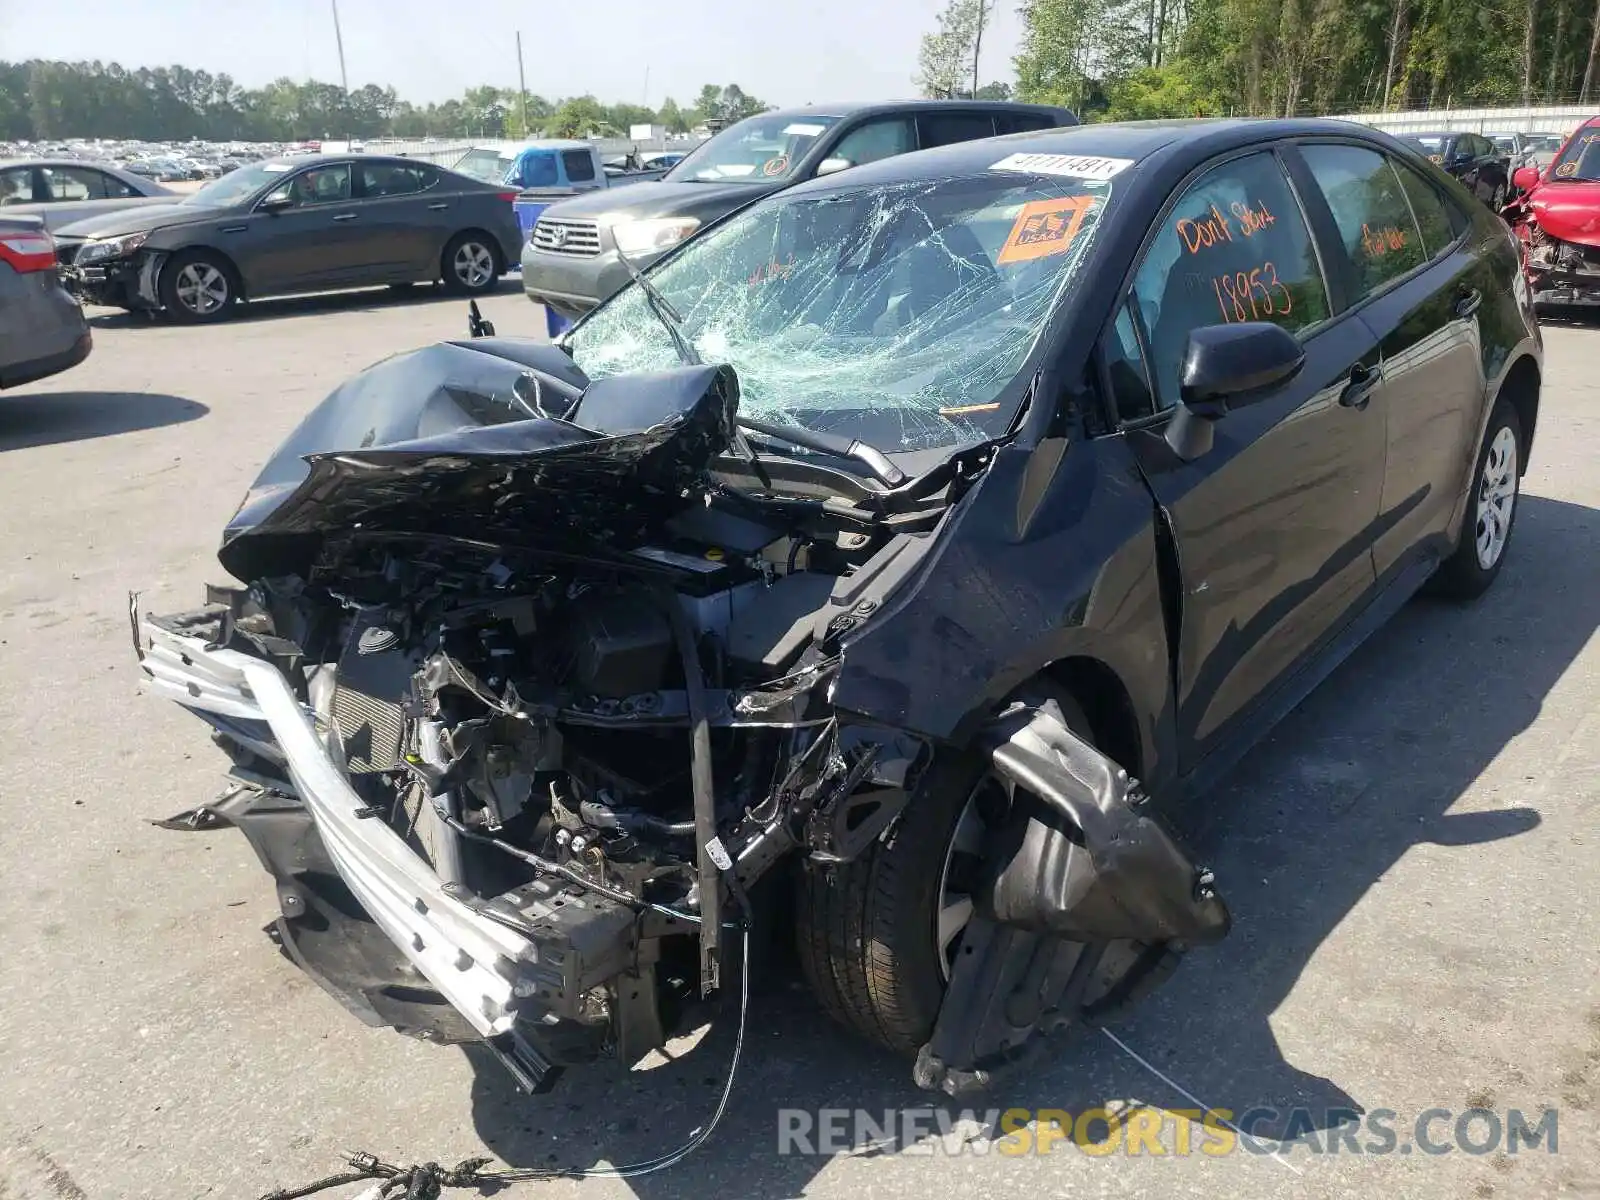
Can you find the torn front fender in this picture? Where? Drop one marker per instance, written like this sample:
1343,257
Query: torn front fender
1090,863
1090,907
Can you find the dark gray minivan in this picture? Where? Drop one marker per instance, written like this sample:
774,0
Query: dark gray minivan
571,262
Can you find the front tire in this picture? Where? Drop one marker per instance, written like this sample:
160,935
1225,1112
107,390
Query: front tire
197,286
1491,510
876,935
469,265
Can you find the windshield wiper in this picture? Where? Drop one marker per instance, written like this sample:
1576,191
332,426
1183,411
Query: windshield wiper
871,457
669,317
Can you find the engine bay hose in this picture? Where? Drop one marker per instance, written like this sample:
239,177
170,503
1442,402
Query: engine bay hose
702,785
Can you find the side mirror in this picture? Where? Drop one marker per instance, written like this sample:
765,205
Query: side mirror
276,201
1525,178
1227,367
829,166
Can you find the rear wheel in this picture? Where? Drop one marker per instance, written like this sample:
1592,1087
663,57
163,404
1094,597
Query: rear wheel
877,936
1491,510
469,265
197,286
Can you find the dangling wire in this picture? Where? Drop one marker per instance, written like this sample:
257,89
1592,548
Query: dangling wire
427,1179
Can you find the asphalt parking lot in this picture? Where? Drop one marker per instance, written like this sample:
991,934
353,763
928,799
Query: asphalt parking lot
1411,860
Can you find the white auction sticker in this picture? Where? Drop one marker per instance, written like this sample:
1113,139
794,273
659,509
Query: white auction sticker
1075,166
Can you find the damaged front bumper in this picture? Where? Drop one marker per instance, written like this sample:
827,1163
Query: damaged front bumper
480,966
1563,273
121,283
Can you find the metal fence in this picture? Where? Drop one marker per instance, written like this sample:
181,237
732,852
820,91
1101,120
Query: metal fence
1557,119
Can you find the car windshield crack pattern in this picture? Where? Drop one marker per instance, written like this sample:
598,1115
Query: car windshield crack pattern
898,316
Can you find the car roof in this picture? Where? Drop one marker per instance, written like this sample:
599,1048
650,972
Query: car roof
1438,133
7,163
296,161
853,108
1133,140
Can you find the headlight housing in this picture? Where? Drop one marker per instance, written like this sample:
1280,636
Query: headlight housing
658,233
107,249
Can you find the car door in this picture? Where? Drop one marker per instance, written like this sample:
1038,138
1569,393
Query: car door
302,234
405,217
1274,524
1416,283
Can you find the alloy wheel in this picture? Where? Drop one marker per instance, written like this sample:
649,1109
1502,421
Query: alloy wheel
963,864
202,288
474,265
1497,497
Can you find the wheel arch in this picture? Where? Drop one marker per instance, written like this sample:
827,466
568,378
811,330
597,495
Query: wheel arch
241,283
1107,704
1520,389
489,239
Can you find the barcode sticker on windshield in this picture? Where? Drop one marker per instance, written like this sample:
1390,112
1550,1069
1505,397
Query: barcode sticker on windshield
1073,166
803,129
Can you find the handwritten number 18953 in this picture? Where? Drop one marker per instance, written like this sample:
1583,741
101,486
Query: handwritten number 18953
1251,295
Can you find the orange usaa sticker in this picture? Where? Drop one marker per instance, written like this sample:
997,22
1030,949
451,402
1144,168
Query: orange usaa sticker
1045,227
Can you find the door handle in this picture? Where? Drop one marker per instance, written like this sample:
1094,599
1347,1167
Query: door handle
1363,382
347,216
440,207
1467,302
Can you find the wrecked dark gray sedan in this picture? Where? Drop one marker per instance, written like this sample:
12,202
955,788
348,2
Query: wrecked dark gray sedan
887,556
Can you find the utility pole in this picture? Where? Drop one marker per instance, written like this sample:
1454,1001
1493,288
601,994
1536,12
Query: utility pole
338,39
344,77
522,82
977,45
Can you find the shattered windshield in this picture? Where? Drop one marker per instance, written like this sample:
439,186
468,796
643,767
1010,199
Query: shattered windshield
899,315
1580,160
761,148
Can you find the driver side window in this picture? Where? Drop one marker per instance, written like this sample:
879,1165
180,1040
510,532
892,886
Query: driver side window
875,140
319,185
1234,248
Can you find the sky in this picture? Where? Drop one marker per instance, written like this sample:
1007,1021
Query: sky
641,51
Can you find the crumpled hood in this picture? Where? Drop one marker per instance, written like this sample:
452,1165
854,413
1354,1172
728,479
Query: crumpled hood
438,440
1569,211
137,220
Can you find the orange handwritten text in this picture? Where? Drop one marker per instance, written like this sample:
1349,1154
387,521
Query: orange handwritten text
1386,239
771,270
1251,295
1251,220
1207,231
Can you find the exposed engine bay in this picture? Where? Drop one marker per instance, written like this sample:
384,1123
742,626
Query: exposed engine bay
521,709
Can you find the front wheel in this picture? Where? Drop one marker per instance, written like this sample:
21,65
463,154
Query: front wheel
878,936
197,286
1486,529
469,265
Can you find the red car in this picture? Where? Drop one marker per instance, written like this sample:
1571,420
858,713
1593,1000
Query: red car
1558,219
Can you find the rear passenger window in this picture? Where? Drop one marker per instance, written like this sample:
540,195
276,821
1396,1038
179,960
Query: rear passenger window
579,165
1432,211
1234,248
944,129
1021,122
386,179
1380,238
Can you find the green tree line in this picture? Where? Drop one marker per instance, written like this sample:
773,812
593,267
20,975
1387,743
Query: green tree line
51,100
1129,59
